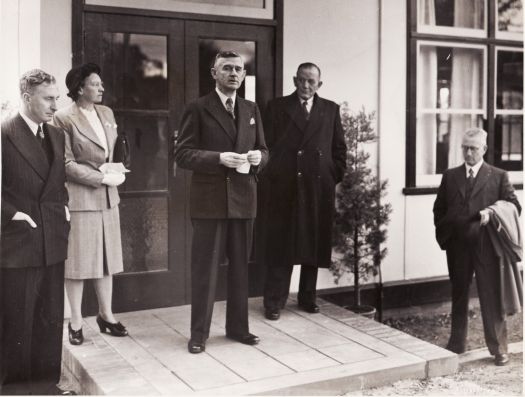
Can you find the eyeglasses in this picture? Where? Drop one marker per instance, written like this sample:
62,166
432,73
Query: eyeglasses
471,148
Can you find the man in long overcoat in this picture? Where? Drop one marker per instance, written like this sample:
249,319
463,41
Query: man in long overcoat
307,159
461,215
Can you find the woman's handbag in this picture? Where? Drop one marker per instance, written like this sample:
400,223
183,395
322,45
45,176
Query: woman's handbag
121,152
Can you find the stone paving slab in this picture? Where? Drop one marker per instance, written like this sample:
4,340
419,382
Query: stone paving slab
329,353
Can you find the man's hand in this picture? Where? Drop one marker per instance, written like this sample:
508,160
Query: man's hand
254,157
231,159
485,217
114,179
68,215
21,216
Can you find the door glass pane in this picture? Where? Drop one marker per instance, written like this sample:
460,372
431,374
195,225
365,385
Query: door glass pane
208,48
144,225
509,80
148,139
135,70
452,13
510,16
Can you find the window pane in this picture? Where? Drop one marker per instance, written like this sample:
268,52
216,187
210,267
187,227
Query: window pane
438,140
509,93
208,48
148,139
509,142
144,225
450,78
452,13
135,70
510,16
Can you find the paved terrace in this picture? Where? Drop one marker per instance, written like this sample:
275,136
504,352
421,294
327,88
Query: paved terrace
329,353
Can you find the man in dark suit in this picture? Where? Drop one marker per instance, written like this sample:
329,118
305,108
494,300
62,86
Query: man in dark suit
460,218
307,160
34,233
222,142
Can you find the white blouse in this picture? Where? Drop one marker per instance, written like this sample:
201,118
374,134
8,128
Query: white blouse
96,124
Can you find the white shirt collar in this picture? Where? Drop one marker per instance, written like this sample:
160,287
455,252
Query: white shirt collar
31,124
475,168
309,102
225,97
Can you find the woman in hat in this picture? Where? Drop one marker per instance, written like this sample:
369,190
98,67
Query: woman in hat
94,250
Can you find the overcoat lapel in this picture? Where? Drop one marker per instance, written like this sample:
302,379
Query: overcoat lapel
481,179
28,146
295,111
83,125
316,118
216,109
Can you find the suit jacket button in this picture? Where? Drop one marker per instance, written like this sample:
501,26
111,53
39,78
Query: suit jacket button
227,179
300,153
299,174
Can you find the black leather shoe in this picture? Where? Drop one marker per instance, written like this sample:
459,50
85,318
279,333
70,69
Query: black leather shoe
195,347
116,329
272,314
309,307
75,337
247,339
501,359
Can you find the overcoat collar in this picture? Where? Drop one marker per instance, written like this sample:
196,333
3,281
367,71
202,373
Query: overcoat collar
84,127
214,106
296,113
29,147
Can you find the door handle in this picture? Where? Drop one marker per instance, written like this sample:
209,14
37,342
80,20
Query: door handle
175,135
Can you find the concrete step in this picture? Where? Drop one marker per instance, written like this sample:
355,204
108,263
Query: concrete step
329,353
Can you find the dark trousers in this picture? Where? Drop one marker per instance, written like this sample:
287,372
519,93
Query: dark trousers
277,286
462,265
31,321
213,241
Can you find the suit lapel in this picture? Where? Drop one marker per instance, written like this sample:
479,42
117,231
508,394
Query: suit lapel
243,120
58,154
481,179
83,125
460,176
316,117
24,140
111,133
218,112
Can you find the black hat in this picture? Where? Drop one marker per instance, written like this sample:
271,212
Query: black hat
76,76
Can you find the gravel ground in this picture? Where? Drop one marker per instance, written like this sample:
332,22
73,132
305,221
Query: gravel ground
480,378
477,378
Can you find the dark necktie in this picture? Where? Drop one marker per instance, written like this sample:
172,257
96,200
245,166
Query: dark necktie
305,108
470,183
229,107
40,135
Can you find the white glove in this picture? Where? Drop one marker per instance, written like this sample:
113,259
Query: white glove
113,179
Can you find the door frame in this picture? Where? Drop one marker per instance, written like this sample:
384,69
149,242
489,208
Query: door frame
79,8
79,12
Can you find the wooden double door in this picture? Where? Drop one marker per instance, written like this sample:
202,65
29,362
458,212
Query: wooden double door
151,68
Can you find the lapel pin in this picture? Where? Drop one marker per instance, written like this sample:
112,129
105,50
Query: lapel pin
252,121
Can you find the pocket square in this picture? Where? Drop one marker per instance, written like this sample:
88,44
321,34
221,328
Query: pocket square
252,121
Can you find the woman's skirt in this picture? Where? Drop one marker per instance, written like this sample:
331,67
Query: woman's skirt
95,247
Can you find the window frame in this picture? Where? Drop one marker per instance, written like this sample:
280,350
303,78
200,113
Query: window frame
490,43
502,35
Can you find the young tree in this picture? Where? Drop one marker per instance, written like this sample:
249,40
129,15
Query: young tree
360,219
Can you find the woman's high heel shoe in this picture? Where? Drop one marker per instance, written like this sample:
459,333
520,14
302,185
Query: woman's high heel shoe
116,329
75,337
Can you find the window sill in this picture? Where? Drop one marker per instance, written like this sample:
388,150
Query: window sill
420,191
